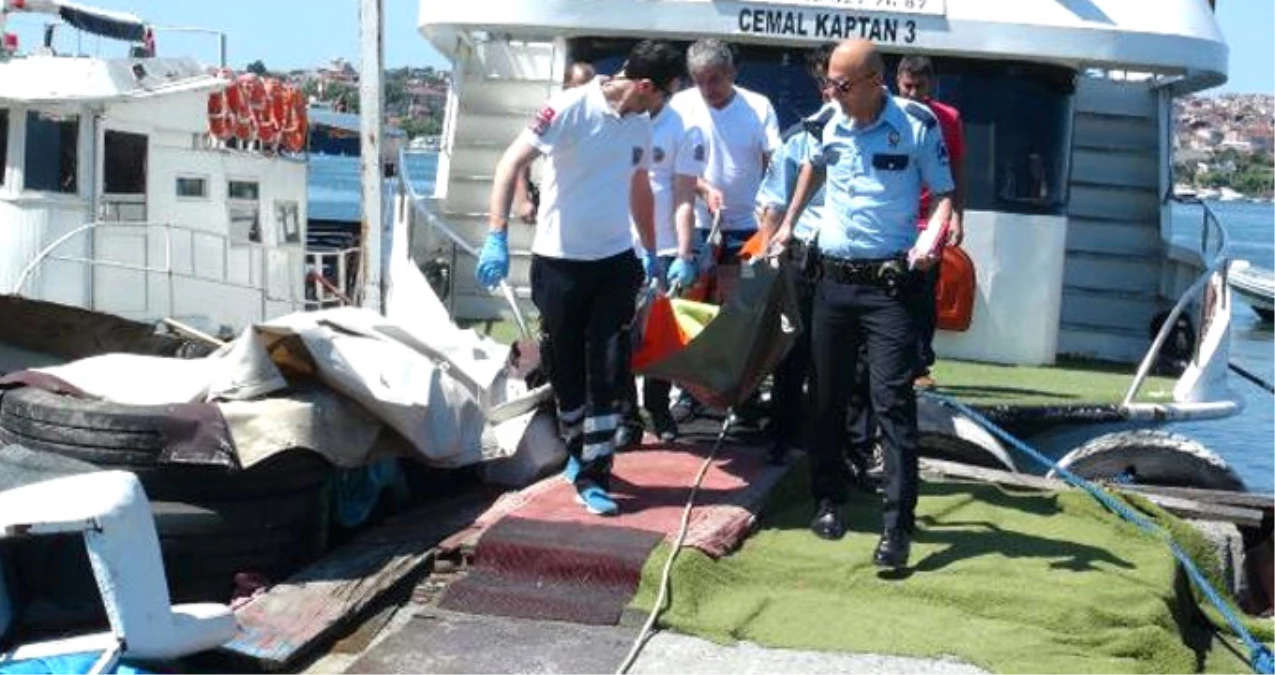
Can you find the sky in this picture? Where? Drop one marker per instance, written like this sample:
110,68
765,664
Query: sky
272,31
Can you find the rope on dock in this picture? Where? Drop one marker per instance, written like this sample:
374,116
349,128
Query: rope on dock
1248,375
666,576
1260,658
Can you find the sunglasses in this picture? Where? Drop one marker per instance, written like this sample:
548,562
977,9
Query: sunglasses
844,86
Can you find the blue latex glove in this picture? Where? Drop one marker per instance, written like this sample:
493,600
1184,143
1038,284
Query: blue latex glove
681,274
652,266
493,260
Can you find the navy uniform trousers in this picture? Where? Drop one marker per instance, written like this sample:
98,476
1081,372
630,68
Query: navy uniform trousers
586,307
846,317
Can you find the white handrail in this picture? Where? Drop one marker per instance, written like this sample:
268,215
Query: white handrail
1218,265
47,253
418,205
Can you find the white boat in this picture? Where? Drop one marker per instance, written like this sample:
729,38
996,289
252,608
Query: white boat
117,197
1256,285
1082,274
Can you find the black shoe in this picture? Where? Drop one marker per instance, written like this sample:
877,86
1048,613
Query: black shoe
628,435
664,426
893,549
828,522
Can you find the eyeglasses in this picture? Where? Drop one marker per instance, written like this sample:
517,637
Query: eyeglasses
844,86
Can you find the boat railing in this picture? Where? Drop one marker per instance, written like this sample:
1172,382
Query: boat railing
168,268
329,278
1210,287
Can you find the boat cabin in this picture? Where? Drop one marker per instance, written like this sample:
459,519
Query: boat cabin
123,190
1066,107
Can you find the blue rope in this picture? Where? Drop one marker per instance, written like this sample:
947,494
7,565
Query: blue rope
1260,658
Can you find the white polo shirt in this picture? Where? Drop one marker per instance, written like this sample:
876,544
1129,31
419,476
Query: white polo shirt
591,154
676,150
738,136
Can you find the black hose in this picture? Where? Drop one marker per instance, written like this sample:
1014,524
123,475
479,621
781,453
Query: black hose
1252,378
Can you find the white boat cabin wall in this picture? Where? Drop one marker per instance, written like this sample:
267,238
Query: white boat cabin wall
115,198
1066,153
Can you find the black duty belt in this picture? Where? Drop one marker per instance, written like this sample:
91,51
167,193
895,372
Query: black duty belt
888,273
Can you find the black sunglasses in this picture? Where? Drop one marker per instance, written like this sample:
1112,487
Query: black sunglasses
844,87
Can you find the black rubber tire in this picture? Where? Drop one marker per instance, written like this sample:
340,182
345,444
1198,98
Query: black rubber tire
1151,457
955,449
128,437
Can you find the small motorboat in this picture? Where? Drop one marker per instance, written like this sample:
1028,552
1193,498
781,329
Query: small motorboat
1256,285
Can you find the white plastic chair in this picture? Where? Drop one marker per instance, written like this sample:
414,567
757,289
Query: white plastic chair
111,511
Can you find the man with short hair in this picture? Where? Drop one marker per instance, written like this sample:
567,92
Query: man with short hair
584,276
915,80
740,131
875,154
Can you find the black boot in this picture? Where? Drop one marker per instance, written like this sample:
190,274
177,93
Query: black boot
893,549
828,522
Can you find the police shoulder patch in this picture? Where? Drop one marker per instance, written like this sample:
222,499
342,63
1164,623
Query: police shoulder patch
921,113
699,152
638,151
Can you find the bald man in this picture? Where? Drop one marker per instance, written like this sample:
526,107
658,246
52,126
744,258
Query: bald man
875,156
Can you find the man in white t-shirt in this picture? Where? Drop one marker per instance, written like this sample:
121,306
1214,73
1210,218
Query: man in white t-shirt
740,132
596,140
677,162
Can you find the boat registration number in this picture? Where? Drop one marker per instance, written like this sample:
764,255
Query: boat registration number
927,7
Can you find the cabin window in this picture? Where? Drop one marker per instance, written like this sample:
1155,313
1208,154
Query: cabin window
245,211
288,222
124,163
192,187
1017,116
4,143
52,156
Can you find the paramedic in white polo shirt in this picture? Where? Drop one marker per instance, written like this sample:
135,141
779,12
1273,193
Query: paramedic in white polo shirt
584,276
741,131
677,162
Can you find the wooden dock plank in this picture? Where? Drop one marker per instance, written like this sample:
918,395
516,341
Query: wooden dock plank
314,605
1182,502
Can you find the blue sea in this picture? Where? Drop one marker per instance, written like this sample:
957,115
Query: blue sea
1246,440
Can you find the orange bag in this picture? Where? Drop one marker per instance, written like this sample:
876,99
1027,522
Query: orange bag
954,294
661,336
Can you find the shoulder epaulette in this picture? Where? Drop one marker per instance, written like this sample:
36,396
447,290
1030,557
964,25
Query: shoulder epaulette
922,113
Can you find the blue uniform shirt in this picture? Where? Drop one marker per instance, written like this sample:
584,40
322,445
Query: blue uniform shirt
874,178
800,140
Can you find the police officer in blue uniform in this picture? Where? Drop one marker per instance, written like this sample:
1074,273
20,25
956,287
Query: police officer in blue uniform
875,155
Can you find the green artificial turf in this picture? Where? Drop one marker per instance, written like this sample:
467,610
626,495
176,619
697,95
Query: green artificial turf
1011,581
1069,382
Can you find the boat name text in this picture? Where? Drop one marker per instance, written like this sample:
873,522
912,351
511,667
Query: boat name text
826,25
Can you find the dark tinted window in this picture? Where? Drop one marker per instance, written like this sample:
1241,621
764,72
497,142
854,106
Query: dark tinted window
1016,115
1017,132
52,153
125,163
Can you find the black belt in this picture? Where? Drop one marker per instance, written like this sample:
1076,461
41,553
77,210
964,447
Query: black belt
887,273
